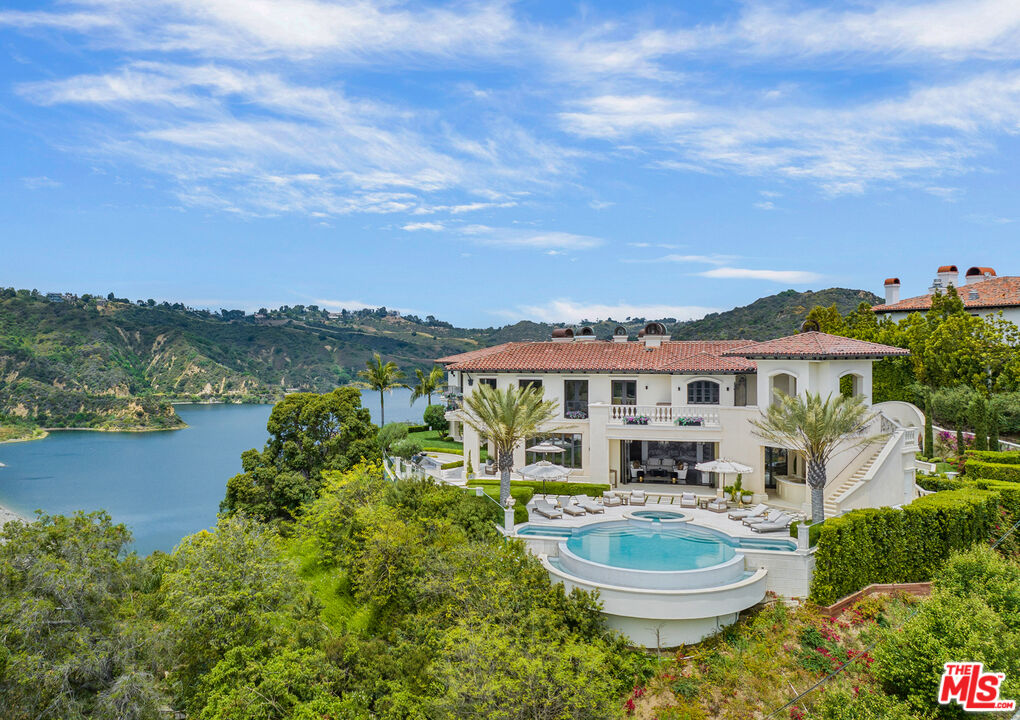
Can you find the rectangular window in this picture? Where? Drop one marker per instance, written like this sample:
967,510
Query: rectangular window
569,458
624,392
523,383
575,399
491,382
703,392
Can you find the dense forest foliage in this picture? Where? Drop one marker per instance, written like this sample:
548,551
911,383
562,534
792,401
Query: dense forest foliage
965,368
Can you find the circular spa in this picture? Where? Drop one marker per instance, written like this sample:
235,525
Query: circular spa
662,581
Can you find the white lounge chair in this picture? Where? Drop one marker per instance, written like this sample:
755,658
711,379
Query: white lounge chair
638,497
589,504
780,523
770,516
688,500
757,511
543,508
569,507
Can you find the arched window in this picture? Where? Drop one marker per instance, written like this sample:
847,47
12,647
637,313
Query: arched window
703,392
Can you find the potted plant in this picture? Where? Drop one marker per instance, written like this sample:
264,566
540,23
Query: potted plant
735,490
745,496
469,468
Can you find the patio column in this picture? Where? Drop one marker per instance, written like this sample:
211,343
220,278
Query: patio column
598,443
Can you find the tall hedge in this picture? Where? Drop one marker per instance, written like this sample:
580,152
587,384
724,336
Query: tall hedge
978,469
889,545
1011,457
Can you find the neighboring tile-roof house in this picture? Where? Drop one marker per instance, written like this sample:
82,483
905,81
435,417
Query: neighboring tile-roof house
815,345
991,293
600,356
471,354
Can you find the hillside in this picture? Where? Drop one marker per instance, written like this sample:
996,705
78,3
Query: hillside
772,316
114,364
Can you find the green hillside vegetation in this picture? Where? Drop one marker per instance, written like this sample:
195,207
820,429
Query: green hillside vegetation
109,363
770,317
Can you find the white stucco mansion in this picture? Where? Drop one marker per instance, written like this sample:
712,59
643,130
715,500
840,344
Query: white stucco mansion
650,409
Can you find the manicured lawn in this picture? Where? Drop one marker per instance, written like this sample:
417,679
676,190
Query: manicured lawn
432,439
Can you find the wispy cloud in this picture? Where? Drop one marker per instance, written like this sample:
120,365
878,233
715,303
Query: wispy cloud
685,259
570,311
40,183
337,305
535,239
795,277
412,227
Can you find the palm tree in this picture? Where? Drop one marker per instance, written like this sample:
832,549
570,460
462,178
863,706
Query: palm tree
816,428
506,417
427,384
383,377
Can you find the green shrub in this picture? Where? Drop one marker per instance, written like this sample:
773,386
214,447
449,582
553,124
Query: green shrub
978,469
392,433
417,428
971,614
1009,457
451,451
435,418
937,483
405,448
451,465
889,545
813,531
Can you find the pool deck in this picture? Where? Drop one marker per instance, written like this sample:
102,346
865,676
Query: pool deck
702,518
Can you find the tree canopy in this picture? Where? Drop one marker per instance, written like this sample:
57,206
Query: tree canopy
308,433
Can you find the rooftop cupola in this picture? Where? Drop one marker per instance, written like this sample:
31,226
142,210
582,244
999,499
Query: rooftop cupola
653,334
945,276
892,290
977,274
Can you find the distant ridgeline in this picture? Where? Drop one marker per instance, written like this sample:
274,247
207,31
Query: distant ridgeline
110,363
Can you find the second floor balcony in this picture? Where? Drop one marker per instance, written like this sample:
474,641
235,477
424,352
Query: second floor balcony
673,415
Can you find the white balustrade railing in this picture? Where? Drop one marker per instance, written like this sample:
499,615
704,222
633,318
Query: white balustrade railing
678,415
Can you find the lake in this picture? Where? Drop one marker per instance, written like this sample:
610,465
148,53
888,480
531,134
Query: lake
163,485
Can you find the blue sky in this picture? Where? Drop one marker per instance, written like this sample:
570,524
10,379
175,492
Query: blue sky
491,161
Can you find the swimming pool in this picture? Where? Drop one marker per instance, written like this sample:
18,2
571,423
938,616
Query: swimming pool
650,546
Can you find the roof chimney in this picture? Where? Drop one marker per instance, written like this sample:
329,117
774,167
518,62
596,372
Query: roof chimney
654,334
947,275
586,334
977,274
562,335
620,334
892,290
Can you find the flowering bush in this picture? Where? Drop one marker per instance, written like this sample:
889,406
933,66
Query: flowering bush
576,415
689,421
636,420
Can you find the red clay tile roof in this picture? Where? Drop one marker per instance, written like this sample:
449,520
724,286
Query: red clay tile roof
811,345
471,354
994,292
683,357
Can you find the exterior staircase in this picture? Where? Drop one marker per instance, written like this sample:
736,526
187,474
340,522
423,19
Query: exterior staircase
845,483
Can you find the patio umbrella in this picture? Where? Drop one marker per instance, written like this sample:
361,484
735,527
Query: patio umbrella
724,467
545,448
544,470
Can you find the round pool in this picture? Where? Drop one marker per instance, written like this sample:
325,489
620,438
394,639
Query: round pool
650,546
667,516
